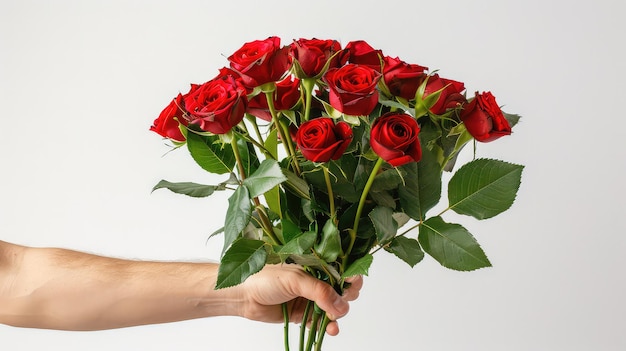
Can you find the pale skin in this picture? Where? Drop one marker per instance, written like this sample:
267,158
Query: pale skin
55,288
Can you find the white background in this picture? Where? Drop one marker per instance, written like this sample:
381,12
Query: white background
81,82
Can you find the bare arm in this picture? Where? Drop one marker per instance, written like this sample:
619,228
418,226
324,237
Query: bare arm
63,289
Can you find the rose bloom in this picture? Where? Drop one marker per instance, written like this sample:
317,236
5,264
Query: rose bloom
394,137
363,54
217,105
451,96
286,96
484,119
313,54
321,140
167,124
403,79
352,89
261,61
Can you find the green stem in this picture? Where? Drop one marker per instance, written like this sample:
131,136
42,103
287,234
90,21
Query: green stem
331,196
282,132
322,333
359,210
260,146
442,212
292,150
308,84
286,327
313,331
265,222
233,144
257,130
305,318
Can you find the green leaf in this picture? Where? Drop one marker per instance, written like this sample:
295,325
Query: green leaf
272,197
297,185
341,175
271,143
239,212
451,245
406,249
384,224
312,261
209,154
188,188
329,246
422,188
388,180
289,229
244,258
359,267
249,158
299,244
395,104
484,188
383,198
267,176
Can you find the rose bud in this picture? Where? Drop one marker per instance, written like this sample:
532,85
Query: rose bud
362,53
401,78
450,97
484,119
217,105
321,140
168,123
261,61
394,137
352,89
312,55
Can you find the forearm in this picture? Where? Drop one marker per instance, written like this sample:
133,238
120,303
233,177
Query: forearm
62,289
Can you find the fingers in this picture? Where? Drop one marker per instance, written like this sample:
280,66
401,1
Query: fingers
322,294
335,305
352,293
332,328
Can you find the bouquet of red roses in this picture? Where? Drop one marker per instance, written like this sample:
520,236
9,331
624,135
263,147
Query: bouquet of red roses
329,151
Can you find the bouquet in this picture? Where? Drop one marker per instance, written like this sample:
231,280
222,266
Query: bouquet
333,153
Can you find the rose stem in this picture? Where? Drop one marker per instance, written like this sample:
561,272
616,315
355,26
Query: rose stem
331,197
265,222
313,330
320,336
286,327
284,134
359,210
308,84
305,318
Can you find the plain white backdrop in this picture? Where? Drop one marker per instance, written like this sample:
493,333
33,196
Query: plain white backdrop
81,82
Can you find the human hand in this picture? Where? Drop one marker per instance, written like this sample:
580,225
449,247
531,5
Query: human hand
264,292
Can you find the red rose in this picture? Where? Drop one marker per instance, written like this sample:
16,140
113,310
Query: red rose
394,138
167,124
321,140
402,78
286,96
313,54
353,89
261,61
451,96
217,105
362,53
484,119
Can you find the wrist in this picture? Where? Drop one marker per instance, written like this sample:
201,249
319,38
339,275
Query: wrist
221,302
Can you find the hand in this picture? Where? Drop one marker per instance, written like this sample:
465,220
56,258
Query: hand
265,291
